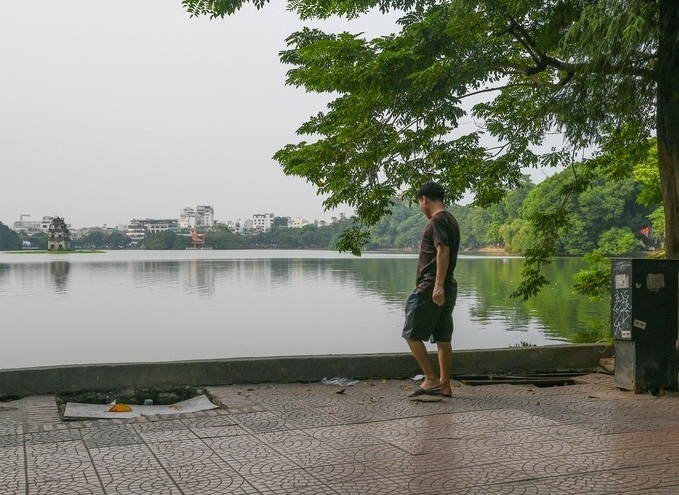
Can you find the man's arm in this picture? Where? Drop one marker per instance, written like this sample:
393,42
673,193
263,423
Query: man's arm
442,259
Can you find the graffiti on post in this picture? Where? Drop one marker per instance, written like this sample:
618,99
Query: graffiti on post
621,310
622,314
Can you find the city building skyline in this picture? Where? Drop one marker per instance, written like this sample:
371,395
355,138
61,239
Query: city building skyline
202,217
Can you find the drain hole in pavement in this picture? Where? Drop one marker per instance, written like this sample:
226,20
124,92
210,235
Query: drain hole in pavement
9,398
535,379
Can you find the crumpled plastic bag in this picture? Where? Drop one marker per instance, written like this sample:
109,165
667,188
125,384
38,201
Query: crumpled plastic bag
340,382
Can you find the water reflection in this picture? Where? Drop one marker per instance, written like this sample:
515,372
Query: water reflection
4,276
200,308
59,275
197,276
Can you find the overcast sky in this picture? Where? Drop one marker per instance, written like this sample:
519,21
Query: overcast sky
132,109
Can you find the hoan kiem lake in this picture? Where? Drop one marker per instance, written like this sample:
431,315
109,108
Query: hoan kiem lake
149,306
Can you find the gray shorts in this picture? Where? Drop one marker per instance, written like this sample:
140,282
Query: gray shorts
426,320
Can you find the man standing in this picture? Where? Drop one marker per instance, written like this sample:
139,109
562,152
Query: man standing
429,309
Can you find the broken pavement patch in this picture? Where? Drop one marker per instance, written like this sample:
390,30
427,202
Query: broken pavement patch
76,411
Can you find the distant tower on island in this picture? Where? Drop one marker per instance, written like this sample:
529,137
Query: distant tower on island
59,238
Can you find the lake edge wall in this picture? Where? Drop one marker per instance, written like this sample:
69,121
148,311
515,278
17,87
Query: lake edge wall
60,379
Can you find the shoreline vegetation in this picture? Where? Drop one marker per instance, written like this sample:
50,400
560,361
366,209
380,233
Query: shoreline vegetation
62,251
490,251
502,230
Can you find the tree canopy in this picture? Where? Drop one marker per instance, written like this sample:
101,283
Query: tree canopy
603,75
607,218
9,240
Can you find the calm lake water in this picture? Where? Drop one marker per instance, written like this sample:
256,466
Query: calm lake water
143,306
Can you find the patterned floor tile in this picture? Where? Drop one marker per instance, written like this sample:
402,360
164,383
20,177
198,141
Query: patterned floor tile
355,478
75,487
293,481
307,418
131,458
145,482
344,436
218,431
262,422
84,480
53,436
9,441
604,482
111,436
42,454
182,453
207,477
457,480
369,439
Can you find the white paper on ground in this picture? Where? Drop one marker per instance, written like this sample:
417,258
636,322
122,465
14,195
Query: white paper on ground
77,411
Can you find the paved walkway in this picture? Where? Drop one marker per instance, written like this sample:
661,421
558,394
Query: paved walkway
363,439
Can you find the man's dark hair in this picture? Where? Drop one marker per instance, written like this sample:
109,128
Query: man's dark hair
432,190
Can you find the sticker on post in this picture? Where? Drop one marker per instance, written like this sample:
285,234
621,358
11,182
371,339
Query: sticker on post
622,281
626,334
639,324
655,281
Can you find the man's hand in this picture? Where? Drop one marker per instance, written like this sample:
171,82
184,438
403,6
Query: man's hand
442,258
438,296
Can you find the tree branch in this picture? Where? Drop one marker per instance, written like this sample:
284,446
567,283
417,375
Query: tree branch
543,61
521,34
490,90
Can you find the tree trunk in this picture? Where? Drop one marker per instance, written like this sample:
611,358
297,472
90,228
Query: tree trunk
668,120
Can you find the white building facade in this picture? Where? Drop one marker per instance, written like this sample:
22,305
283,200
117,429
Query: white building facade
201,216
33,226
187,218
137,229
298,222
205,216
262,222
240,226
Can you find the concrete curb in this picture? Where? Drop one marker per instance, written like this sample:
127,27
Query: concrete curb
60,379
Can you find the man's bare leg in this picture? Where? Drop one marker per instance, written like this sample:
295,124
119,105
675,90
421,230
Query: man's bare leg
445,353
431,379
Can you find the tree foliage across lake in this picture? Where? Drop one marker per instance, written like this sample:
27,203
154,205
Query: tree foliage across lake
608,218
9,240
601,74
279,237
